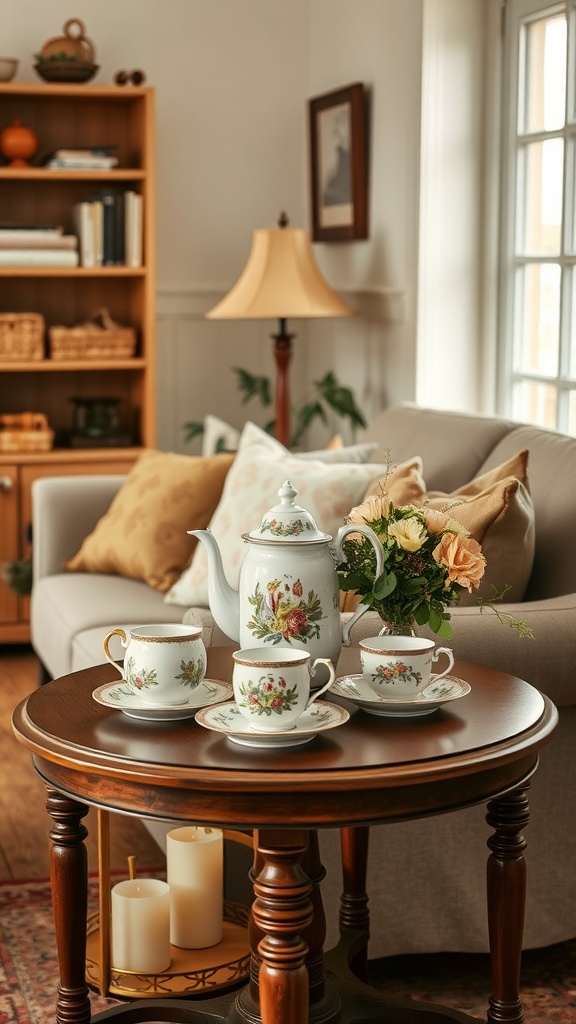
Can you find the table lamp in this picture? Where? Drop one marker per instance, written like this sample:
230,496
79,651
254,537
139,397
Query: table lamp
280,280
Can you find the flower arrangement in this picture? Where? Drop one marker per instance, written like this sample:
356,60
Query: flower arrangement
429,560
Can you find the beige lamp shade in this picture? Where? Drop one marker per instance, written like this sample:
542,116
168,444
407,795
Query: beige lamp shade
280,280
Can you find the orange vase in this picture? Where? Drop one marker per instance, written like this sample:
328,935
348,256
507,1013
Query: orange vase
17,144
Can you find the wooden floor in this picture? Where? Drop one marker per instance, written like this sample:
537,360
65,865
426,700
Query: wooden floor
24,822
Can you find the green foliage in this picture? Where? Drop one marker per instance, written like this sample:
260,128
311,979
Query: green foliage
328,396
18,576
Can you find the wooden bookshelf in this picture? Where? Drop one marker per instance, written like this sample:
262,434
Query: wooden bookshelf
65,116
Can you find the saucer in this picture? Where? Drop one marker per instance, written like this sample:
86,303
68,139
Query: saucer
228,720
358,690
122,697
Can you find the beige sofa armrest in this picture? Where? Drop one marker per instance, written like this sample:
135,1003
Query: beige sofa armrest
64,511
212,635
547,661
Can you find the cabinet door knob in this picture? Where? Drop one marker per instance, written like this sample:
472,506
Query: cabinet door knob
6,484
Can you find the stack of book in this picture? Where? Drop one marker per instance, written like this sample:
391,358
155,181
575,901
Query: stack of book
24,245
82,159
109,228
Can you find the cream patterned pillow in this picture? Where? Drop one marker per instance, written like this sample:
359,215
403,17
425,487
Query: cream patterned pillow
327,491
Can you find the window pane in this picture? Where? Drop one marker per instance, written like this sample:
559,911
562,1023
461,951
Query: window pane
572,413
538,310
543,81
540,171
571,204
535,403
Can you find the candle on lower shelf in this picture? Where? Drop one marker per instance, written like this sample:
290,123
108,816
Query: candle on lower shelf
141,926
194,860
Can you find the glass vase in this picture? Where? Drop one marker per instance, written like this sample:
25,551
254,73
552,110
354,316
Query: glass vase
397,629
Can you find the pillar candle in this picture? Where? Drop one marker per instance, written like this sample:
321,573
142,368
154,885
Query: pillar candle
194,859
141,926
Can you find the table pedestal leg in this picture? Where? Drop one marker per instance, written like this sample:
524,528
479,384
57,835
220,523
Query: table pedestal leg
354,913
506,882
300,866
69,881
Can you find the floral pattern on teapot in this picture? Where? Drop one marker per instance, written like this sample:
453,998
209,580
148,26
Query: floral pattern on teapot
282,613
278,529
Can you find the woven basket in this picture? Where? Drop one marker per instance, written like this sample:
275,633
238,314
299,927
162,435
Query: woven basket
21,336
25,432
92,342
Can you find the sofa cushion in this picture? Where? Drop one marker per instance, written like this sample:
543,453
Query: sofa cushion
553,491
327,491
65,605
453,445
143,534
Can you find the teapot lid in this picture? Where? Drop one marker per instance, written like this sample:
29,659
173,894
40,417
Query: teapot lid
287,521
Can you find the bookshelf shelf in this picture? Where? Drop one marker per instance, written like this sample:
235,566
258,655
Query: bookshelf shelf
73,116
43,174
113,272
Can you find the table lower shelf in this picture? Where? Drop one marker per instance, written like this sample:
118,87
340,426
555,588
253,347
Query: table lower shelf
193,972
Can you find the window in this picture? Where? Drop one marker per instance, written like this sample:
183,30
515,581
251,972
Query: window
538,252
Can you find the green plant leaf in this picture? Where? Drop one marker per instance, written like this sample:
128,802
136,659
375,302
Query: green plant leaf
304,417
340,399
252,386
192,430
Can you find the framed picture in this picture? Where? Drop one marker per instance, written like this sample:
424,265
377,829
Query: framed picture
338,165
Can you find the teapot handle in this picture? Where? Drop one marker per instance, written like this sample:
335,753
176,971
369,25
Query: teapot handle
368,532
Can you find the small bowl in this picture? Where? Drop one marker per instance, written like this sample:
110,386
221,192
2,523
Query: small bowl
8,68
66,70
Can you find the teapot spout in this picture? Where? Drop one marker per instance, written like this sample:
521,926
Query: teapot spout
223,600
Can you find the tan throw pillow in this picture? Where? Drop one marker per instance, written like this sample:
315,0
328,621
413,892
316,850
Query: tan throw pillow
143,534
495,507
404,484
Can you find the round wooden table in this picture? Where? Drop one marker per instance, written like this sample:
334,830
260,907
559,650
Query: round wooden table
481,748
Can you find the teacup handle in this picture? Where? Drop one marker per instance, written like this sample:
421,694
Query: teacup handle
442,650
123,640
330,667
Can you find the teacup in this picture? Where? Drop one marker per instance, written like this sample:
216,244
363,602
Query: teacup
399,667
163,663
272,687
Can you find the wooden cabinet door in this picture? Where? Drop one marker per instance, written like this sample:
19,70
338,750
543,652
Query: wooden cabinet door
9,547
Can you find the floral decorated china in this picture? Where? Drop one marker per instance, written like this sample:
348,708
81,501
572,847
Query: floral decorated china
357,689
121,697
288,586
272,686
228,720
163,664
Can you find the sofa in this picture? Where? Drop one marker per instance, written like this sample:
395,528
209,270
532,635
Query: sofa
440,904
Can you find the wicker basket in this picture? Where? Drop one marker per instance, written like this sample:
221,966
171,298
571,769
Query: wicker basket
21,336
25,432
92,342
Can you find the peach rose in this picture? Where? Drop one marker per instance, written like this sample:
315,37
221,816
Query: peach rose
369,511
435,520
409,534
463,559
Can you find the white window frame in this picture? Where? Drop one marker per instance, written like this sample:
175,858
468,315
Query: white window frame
516,13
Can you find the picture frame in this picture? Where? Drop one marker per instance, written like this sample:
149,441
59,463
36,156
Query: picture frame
338,164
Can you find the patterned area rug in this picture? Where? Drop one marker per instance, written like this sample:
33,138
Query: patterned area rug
28,969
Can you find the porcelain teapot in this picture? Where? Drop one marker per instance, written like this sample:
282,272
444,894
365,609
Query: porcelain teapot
288,586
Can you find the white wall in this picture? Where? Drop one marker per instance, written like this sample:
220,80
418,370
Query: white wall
232,79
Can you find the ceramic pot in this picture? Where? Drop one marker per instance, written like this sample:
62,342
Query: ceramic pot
17,144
